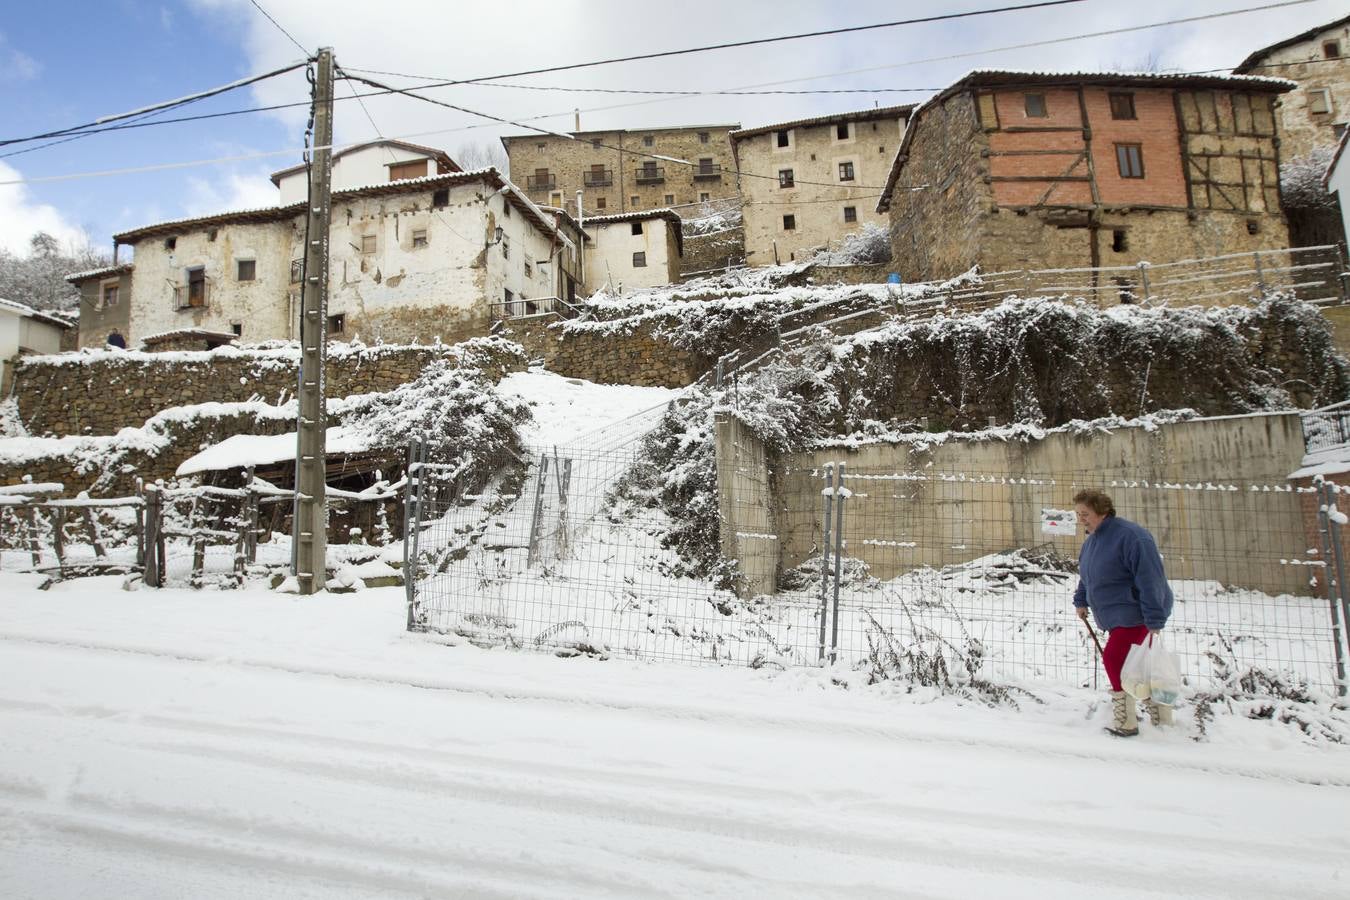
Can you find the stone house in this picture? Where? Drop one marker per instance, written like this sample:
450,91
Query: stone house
633,250
807,183
369,163
1022,170
27,330
1314,115
409,260
104,301
623,170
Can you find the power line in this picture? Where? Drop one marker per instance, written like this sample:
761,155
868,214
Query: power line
167,104
268,16
687,93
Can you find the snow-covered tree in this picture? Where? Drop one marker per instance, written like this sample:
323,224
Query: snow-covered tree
38,279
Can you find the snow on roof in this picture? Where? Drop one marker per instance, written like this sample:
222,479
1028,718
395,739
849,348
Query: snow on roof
160,337
432,152
488,175
1010,77
28,312
585,135
244,450
99,273
1256,55
858,115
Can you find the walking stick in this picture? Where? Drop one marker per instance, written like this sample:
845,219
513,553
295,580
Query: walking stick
1100,653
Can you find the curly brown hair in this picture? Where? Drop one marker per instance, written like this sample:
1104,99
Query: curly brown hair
1095,500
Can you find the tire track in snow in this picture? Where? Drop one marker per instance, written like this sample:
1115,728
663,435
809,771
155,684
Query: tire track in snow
731,717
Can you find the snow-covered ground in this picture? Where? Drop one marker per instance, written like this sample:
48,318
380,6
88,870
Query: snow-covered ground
242,743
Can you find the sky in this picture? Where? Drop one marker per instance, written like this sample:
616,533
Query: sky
125,54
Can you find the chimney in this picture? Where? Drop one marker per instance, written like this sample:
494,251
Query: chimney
577,110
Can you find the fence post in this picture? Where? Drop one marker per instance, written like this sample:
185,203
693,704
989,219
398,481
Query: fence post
538,511
152,565
825,555
1343,275
841,495
59,538
99,551
251,550
1330,582
34,545
411,485
140,525
1143,280
1260,274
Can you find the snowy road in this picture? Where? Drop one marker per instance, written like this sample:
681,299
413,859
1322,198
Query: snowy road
166,744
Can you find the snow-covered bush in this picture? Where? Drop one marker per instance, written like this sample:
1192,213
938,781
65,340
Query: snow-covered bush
1301,185
712,217
871,245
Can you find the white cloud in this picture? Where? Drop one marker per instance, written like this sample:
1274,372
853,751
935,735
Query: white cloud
221,191
15,65
21,217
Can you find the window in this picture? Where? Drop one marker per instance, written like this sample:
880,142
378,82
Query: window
1119,242
297,270
238,329
109,295
1122,106
170,243
846,171
211,234
1253,226
506,209
506,247
419,238
841,131
599,202
368,243
1130,160
783,140
415,169
441,198
595,143
785,178
703,137
1035,106
555,199
529,270
540,145
670,200
637,228
1331,49
789,223
245,269
337,324
507,296
640,259
1319,102
634,201
706,165
850,213
196,287
704,197
648,140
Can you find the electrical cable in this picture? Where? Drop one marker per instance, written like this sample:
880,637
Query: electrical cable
268,16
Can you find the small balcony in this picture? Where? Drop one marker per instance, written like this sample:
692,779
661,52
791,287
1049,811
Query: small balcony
650,174
541,183
708,173
190,296
598,178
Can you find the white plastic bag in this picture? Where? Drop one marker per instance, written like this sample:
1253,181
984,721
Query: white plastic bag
1151,671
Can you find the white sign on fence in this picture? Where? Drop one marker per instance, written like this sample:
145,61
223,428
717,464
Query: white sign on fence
1059,521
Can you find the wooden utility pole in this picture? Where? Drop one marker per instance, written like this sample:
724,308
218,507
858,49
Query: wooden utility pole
310,526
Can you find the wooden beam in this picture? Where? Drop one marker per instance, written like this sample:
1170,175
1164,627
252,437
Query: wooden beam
1033,152
1037,177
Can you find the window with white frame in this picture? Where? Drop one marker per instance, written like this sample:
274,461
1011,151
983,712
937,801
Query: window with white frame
1319,102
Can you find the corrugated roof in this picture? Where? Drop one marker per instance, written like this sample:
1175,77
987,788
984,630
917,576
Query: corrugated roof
99,273
433,152
859,115
1256,56
489,176
1012,77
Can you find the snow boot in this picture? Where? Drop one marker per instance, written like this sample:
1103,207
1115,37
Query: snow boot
1158,713
1123,720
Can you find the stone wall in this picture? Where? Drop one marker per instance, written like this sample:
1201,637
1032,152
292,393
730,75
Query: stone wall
101,392
634,358
709,254
1301,129
1233,537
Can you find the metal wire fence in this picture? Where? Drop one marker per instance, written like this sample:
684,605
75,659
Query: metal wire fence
553,550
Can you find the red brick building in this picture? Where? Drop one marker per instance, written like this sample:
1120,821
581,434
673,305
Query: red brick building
1021,170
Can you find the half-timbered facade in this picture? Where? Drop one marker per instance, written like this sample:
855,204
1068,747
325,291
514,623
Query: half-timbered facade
1020,170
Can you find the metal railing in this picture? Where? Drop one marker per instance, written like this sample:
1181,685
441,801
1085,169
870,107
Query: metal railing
525,308
708,173
598,178
541,182
650,174
191,296
1326,428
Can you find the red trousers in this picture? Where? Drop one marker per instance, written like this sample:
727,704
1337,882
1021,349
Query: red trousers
1117,647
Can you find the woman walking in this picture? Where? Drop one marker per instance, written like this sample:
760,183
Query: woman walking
1121,579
